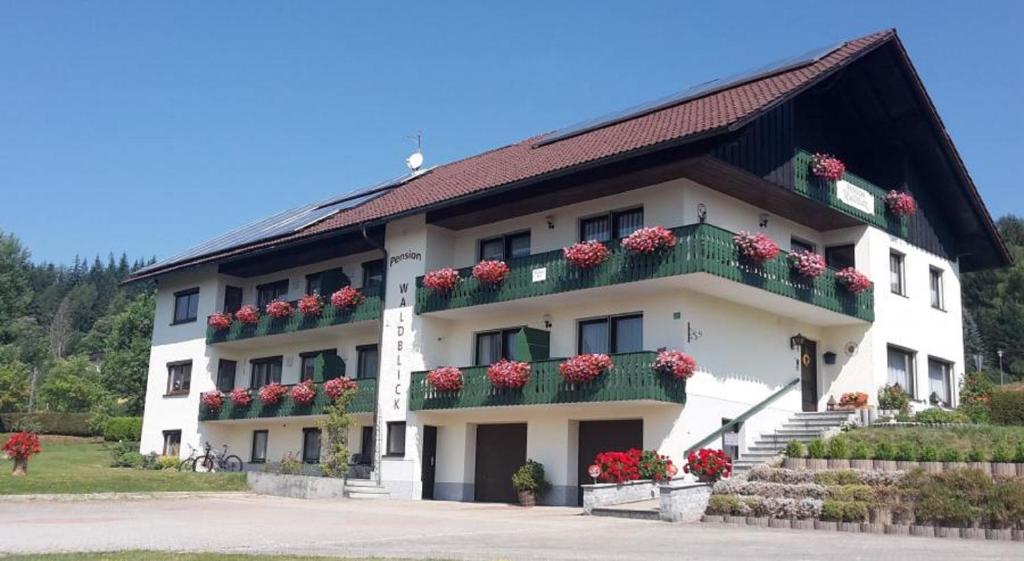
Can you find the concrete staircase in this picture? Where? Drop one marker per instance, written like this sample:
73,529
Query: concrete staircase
364,489
803,427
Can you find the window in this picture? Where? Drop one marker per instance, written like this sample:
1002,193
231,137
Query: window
308,367
503,248
935,283
179,377
186,305
373,274
939,376
396,438
259,447
617,224
232,299
901,369
366,361
311,446
492,346
226,375
267,293
618,334
797,245
840,256
897,277
314,282
265,371
172,442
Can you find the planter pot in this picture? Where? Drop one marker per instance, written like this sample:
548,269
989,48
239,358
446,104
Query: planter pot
897,529
527,498
683,502
998,534
983,466
885,465
866,465
1008,470
825,525
817,463
797,463
931,467
927,531
972,533
779,523
20,467
903,465
839,464
947,466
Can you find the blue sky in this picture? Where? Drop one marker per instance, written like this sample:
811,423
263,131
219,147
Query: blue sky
149,126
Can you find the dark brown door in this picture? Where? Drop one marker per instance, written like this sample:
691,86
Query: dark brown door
809,374
500,451
429,468
605,436
366,447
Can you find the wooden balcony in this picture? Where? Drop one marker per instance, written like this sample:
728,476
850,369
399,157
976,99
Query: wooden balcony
362,402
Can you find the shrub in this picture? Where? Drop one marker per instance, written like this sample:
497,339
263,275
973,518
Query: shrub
844,511
770,489
838,477
937,415
838,449
289,465
894,398
1018,455
951,455
975,454
816,449
795,449
167,463
123,429
1005,508
1007,407
906,451
530,478
723,504
884,451
860,451
951,498
851,492
928,453
126,454
1002,453
48,422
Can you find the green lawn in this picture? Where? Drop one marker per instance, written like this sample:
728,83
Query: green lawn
158,556
75,465
960,438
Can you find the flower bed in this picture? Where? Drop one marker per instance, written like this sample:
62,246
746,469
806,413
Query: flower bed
509,374
248,315
304,393
219,321
853,280
586,255
755,248
827,166
347,298
272,393
583,368
337,387
900,203
675,364
807,263
441,280
445,379
241,397
212,400
310,305
279,309
633,465
649,240
490,272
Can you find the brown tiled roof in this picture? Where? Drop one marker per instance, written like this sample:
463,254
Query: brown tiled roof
717,112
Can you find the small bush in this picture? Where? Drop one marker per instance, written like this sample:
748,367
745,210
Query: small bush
127,429
976,454
884,451
951,455
838,449
851,492
928,453
168,463
936,415
1007,407
906,451
838,477
893,398
1005,509
860,451
1002,453
1018,455
951,498
723,504
844,511
126,454
795,449
816,449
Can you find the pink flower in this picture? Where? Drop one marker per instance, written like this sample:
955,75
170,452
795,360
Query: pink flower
304,393
337,387
279,309
490,272
310,305
676,364
900,203
212,400
509,374
241,397
219,322
441,280
586,255
445,379
272,393
827,166
807,263
583,368
248,315
757,248
649,240
853,280
347,298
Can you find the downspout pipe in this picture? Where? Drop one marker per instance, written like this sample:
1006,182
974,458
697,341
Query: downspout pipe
380,354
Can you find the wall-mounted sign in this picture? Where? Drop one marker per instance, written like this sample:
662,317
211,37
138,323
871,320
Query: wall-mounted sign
396,259
855,196
540,275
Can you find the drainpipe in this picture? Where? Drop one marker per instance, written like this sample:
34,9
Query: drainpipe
380,355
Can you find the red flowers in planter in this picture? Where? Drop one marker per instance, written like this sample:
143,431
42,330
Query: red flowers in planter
241,397
490,272
304,393
310,305
509,374
708,465
756,248
900,203
445,379
272,393
219,321
676,364
827,166
441,280
634,464
21,446
853,400
347,298
807,263
586,255
248,315
853,280
279,309
212,400
337,387
583,368
649,240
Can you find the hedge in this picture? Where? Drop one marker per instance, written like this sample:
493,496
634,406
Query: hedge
47,422
1007,407
128,429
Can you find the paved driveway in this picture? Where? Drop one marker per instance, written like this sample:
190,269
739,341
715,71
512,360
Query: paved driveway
247,523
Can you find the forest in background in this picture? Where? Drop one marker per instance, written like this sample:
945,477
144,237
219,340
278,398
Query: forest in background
74,339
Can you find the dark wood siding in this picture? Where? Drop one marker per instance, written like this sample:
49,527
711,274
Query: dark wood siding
765,147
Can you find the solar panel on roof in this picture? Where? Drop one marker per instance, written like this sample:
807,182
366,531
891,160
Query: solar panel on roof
693,92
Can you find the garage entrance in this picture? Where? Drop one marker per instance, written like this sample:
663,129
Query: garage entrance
500,450
605,436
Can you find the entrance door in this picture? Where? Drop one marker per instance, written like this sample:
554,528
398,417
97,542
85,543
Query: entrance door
366,446
429,460
605,436
500,451
809,374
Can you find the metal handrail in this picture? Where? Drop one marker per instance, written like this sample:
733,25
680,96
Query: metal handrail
757,408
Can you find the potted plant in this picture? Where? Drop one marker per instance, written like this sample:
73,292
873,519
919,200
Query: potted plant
708,465
445,379
675,364
272,393
649,240
241,397
827,166
892,399
586,255
755,248
279,309
807,263
509,374
795,455
303,393
219,321
850,401
490,272
584,368
310,305
853,280
248,315
212,400
20,447
441,280
530,483
337,387
900,203
347,298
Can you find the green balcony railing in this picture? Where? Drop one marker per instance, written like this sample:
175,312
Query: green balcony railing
702,248
362,402
370,309
826,192
631,378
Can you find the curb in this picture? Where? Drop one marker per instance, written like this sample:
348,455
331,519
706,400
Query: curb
84,497
869,528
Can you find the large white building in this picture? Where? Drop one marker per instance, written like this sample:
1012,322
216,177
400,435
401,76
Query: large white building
730,156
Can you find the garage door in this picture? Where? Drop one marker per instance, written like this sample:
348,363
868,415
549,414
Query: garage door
500,450
605,436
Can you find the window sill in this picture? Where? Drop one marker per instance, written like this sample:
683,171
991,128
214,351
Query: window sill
938,309
400,456
182,393
184,321
904,296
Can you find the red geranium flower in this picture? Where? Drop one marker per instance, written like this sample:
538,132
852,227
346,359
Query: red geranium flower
827,166
853,280
649,240
900,203
807,263
304,393
272,393
279,309
219,321
310,305
441,280
347,298
445,379
22,445
337,387
509,374
241,397
586,255
248,315
757,248
490,272
583,368
212,400
676,364
708,465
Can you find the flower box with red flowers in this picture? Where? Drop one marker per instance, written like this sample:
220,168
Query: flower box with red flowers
755,248
241,397
347,298
212,400
272,393
509,374
708,465
807,263
676,364
853,280
900,203
584,368
304,393
445,379
441,280
21,446
219,321
827,166
853,400
490,272
586,255
649,240
310,305
633,465
279,309
248,315
337,387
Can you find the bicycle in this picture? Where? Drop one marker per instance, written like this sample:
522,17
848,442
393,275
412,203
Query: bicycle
188,464
212,461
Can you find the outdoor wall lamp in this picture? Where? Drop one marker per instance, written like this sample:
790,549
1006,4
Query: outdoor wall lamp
551,221
797,341
702,213
547,321
763,221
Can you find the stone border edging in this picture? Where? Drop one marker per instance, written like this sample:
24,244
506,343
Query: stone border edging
869,528
1006,469
133,496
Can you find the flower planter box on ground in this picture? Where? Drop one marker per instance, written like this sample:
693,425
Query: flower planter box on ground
946,466
608,494
684,502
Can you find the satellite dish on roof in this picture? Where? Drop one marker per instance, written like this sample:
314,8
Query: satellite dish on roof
414,161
